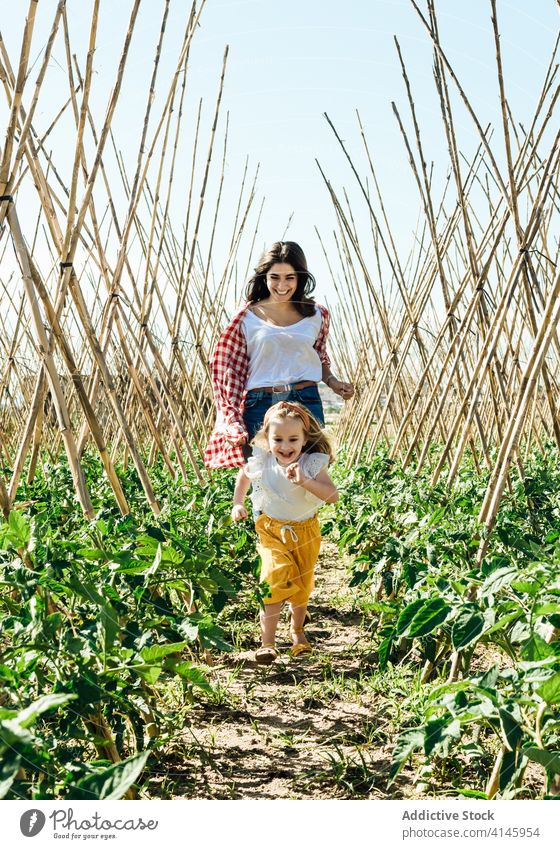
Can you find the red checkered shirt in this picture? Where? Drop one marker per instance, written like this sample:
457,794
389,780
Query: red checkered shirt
229,366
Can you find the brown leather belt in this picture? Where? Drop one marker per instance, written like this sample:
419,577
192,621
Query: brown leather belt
284,387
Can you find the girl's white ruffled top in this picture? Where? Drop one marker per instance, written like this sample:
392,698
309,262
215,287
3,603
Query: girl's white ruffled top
274,494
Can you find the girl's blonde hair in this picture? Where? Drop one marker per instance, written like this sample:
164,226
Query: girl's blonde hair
315,438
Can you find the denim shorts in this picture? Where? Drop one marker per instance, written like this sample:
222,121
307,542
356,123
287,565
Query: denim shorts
258,402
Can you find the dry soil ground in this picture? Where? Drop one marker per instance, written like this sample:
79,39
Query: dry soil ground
321,726
311,727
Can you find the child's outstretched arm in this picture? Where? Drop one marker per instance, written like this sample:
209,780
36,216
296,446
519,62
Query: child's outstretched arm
321,485
242,484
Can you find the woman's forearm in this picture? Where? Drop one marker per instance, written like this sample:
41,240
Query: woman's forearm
339,387
326,374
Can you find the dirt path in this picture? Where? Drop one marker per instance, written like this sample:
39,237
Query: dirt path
306,728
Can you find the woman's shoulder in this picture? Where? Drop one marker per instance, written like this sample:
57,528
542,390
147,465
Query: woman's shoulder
250,308
232,334
322,309
318,309
240,312
234,324
315,313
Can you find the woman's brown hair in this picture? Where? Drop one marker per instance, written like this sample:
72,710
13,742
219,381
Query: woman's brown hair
291,254
316,438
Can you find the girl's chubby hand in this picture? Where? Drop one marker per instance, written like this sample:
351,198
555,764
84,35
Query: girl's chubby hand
238,512
295,474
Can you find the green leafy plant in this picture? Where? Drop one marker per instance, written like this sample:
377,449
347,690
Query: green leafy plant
102,616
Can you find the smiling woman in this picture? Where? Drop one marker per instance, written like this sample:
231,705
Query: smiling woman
273,350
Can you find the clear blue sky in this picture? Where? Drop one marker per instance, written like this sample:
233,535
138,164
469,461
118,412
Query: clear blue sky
289,62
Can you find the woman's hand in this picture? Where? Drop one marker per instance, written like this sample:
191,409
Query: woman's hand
294,473
341,388
236,440
238,512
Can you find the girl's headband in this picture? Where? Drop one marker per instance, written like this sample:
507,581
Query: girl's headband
299,411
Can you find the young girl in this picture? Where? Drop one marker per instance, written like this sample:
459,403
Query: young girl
288,471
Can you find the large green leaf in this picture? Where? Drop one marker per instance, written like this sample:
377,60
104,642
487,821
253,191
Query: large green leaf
550,760
524,586
188,629
407,742
408,615
109,625
482,708
489,680
547,608
211,636
151,653
468,625
508,769
7,713
8,772
431,614
20,529
222,581
12,734
536,648
149,673
85,591
135,568
503,621
384,650
189,673
171,555
28,716
498,579
511,728
113,782
440,733
92,554
550,690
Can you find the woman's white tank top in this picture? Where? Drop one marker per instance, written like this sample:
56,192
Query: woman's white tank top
281,354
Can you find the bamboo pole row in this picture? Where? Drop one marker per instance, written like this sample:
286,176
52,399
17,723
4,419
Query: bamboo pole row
111,303
455,350
112,308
